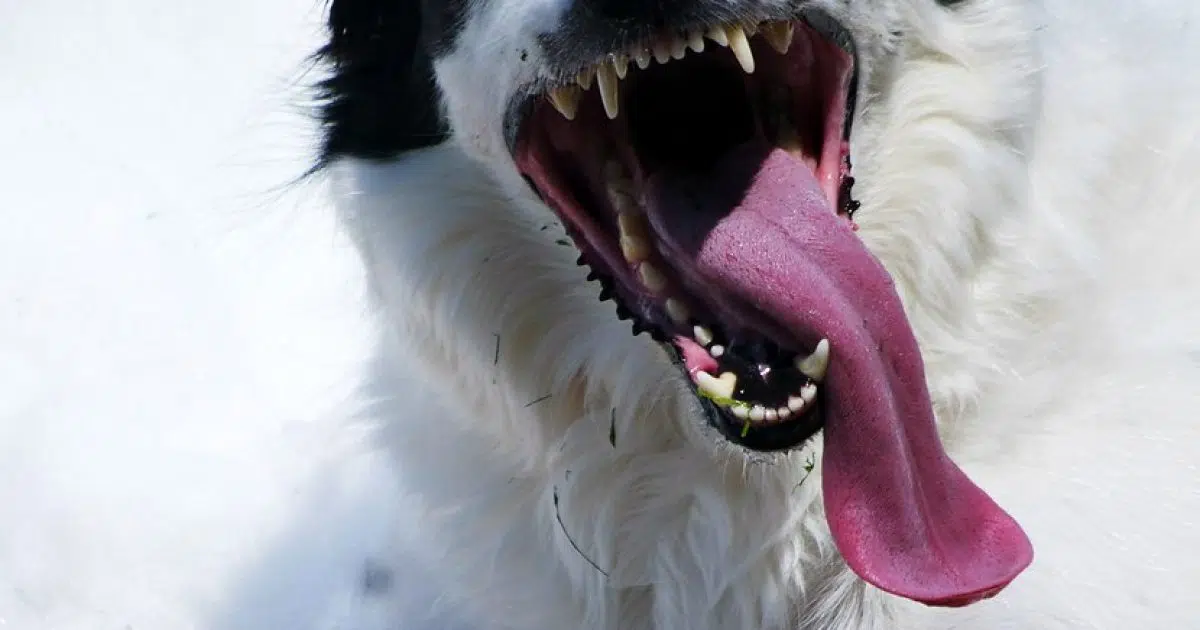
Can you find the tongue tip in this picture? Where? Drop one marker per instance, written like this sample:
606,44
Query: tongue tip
991,565
959,595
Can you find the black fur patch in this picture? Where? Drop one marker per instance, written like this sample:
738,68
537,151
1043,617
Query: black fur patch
380,99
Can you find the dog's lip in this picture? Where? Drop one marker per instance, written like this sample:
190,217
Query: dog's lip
520,106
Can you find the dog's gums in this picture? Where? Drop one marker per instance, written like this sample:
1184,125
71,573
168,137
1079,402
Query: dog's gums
679,103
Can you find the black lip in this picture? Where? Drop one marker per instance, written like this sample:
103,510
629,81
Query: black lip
576,58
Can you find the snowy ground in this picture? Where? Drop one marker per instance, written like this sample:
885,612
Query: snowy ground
179,327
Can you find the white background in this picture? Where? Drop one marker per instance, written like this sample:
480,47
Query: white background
180,326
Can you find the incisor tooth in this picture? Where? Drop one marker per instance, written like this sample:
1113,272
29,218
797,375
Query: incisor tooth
808,393
814,365
779,35
584,78
716,351
757,413
652,278
741,412
784,413
678,48
770,414
566,100
702,335
741,48
610,90
717,34
720,387
696,41
662,53
677,311
642,58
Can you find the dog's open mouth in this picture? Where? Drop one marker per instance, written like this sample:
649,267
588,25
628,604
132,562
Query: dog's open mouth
705,177
624,152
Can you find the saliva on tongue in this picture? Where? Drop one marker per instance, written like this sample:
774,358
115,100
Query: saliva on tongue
757,228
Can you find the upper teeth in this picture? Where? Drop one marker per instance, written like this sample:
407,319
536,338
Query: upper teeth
566,100
607,74
606,77
741,48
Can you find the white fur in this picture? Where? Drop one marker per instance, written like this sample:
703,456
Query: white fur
1029,174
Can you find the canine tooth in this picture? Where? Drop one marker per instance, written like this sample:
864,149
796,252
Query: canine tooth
770,415
742,412
696,41
678,48
808,393
717,386
620,64
642,58
795,403
717,34
702,335
814,365
610,91
662,54
757,413
779,35
584,78
741,48
566,100
677,311
652,278
716,351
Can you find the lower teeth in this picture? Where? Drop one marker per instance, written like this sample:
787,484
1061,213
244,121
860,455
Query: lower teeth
721,389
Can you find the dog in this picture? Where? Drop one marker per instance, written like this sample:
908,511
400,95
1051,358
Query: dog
767,314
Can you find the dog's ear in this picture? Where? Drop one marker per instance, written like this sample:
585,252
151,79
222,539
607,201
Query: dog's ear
380,99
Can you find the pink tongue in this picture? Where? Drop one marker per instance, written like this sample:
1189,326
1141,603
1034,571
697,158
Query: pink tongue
905,518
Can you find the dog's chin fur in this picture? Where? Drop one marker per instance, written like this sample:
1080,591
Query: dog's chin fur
1031,200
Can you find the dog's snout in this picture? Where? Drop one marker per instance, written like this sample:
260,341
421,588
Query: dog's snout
592,28
637,14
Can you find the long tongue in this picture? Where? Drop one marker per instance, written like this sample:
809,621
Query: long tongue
905,518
